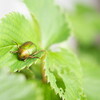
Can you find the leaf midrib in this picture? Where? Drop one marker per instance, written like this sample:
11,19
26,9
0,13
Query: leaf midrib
7,46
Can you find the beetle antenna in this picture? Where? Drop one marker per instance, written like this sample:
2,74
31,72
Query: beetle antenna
16,43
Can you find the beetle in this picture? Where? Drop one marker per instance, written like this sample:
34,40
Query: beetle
26,50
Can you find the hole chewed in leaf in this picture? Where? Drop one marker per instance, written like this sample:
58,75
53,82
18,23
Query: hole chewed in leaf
63,73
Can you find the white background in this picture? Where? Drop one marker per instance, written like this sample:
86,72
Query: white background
7,6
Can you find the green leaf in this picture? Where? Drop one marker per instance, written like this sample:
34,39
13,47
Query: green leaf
51,20
64,74
15,87
48,93
15,27
91,71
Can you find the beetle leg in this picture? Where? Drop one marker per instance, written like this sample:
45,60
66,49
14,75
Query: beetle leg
38,52
13,51
24,59
32,57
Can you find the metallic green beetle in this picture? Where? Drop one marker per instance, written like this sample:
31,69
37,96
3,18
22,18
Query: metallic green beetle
26,50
